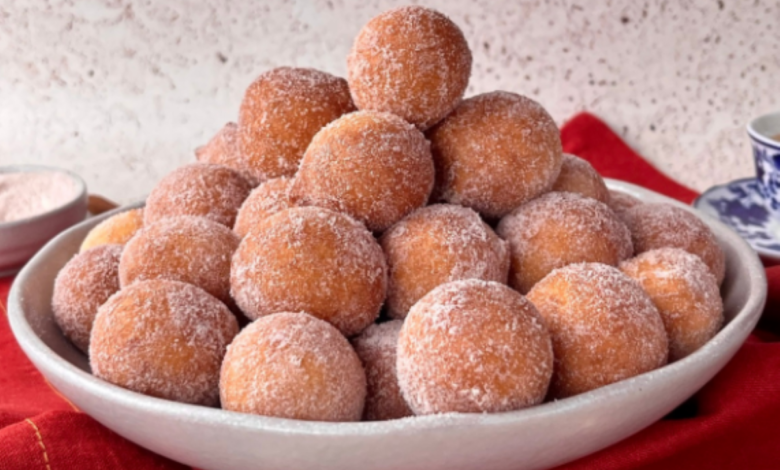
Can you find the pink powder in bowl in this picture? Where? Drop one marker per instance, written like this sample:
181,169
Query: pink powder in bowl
25,194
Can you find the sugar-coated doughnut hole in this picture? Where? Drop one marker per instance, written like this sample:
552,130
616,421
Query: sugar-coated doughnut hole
557,229
223,149
280,113
117,229
495,152
579,176
604,327
435,245
268,198
199,189
194,250
373,166
410,61
664,225
163,338
473,346
685,293
81,287
292,365
313,260
376,347
621,203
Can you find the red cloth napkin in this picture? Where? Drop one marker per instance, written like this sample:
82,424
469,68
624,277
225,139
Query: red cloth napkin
733,422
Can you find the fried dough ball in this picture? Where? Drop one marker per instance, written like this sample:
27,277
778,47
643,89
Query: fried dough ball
81,287
410,61
473,346
685,293
495,152
117,229
194,250
620,203
269,198
376,347
313,260
604,327
281,111
292,365
223,149
559,229
664,225
579,176
199,189
373,166
163,338
435,245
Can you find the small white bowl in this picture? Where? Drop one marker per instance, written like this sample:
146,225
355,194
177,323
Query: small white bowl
534,438
21,239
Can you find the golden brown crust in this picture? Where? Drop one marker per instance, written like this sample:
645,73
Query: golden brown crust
313,260
163,338
117,229
495,152
411,61
578,176
292,365
558,229
604,327
280,113
373,166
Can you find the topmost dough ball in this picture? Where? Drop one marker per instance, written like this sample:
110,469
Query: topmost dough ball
411,61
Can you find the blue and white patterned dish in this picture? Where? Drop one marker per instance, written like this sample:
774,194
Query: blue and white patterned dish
741,206
766,152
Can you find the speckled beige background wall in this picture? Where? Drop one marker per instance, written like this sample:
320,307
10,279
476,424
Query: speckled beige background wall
122,91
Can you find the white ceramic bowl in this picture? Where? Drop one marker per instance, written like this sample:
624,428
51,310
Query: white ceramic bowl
538,437
21,239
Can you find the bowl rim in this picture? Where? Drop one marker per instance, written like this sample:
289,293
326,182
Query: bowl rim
66,206
744,320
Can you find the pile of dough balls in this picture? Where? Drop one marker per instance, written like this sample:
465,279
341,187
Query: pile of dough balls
378,247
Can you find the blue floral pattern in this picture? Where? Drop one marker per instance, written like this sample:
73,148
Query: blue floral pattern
768,173
741,205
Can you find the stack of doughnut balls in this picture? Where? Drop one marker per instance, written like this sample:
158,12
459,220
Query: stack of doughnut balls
379,247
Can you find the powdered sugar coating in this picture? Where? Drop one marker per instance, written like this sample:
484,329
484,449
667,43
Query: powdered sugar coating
314,260
473,346
194,250
373,166
620,203
604,327
280,113
663,225
268,198
685,293
163,338
410,61
558,229
199,189
579,176
376,347
495,152
223,149
435,245
117,229
81,287
292,365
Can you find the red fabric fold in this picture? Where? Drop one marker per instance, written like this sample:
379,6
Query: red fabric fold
731,423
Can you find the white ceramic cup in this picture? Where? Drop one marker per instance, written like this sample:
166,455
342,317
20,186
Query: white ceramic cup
766,151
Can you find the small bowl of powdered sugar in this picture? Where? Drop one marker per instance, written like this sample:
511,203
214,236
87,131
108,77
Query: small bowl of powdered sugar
36,203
